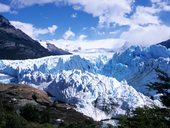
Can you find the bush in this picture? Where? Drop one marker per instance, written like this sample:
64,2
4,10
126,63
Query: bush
83,124
32,113
146,118
162,87
10,119
15,121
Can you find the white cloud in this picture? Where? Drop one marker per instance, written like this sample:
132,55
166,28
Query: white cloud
72,45
163,5
52,29
111,11
23,3
68,34
156,1
144,16
74,15
4,8
108,11
82,37
32,31
160,1
100,33
145,25
147,35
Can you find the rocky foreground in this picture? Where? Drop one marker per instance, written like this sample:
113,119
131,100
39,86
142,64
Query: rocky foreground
24,97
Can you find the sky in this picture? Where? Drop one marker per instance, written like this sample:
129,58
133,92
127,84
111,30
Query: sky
104,23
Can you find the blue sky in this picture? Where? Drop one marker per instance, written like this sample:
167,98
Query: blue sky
135,21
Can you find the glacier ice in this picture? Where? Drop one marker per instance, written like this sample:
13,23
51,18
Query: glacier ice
135,65
92,82
94,93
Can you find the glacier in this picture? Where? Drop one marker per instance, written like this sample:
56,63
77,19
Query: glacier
95,95
99,85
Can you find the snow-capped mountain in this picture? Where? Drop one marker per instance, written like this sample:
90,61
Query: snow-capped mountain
54,49
93,82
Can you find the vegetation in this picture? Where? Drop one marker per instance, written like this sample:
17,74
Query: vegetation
41,112
31,116
83,124
151,117
146,118
162,87
10,119
31,113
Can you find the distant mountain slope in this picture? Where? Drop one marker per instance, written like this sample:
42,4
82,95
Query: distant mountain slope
55,50
166,43
15,44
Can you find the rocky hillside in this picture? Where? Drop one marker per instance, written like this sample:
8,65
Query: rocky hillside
15,44
29,105
166,43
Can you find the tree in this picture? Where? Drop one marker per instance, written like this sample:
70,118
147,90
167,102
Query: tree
162,87
151,117
146,118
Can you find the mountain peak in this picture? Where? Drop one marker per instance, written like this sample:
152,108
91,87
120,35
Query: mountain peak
166,43
15,44
4,21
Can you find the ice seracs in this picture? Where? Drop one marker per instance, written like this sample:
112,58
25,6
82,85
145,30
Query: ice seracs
96,95
136,65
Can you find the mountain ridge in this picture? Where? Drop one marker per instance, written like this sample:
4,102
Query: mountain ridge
166,43
16,45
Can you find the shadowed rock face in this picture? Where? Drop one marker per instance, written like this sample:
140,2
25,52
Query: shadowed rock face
15,44
166,43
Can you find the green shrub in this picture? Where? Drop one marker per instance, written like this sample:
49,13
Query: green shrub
83,124
37,125
14,121
162,87
146,118
32,113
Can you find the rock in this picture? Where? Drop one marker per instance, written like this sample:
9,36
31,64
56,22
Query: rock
16,45
59,114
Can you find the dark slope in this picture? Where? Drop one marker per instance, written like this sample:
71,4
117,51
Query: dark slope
15,44
166,43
